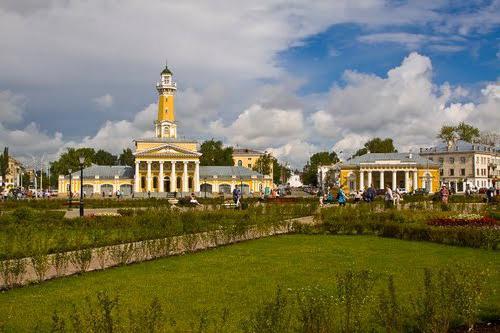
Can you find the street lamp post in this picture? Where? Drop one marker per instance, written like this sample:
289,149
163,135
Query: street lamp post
82,161
70,194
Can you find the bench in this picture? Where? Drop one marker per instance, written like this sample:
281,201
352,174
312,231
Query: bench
72,203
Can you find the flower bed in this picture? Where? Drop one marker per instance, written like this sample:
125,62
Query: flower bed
464,220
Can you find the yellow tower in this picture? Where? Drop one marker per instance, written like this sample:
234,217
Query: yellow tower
165,123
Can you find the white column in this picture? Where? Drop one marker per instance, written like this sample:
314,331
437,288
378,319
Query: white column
196,178
173,178
160,178
361,180
185,178
382,179
394,179
137,181
370,178
407,181
415,180
149,180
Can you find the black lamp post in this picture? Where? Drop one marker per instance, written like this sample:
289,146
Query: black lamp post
82,161
70,194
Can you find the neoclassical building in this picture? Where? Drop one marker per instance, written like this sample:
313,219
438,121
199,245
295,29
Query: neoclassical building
169,164
398,170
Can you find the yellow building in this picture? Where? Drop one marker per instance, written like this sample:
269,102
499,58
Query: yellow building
249,158
398,170
14,174
167,164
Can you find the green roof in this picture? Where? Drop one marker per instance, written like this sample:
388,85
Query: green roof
166,71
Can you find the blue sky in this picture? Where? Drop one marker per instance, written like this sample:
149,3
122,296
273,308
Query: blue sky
292,77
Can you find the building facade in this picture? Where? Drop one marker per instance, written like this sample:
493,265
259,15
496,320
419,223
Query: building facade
169,164
99,180
14,175
463,164
398,170
249,158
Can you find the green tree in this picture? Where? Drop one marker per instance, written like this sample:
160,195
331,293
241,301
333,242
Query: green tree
213,153
264,164
103,157
280,172
310,174
127,157
462,131
467,132
70,160
377,145
4,165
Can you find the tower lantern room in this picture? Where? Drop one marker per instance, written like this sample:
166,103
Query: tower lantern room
165,126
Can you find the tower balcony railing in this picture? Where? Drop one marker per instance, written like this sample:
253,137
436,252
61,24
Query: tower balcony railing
166,85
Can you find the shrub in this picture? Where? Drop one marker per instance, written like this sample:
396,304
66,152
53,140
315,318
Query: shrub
41,264
81,259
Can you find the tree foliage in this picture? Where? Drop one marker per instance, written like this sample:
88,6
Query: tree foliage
462,131
4,164
213,153
377,145
264,164
127,157
310,174
102,157
280,172
70,160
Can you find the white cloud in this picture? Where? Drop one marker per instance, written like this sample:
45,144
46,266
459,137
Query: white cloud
258,126
104,102
295,152
406,106
440,43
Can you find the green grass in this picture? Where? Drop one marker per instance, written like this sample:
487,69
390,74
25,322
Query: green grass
240,276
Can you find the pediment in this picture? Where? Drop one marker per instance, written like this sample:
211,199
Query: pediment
167,149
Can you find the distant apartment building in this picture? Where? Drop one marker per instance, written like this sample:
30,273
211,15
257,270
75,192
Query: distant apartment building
13,177
463,164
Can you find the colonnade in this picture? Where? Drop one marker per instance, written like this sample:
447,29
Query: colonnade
413,182
173,174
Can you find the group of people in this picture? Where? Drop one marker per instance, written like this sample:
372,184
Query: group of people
327,198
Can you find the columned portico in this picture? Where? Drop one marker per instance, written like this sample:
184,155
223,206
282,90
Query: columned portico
137,177
185,178
161,178
149,180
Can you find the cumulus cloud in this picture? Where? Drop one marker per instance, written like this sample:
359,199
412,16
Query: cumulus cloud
406,106
258,126
104,102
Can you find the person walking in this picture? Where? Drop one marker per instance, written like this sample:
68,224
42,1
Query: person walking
490,193
341,198
389,196
445,194
370,193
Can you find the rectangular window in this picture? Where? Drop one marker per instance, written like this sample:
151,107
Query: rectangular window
477,159
477,172
441,172
249,165
441,160
462,160
452,160
462,172
452,172
431,159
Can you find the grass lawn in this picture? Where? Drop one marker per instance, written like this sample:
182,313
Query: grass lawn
238,277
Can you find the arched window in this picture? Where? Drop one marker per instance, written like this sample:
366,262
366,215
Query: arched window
240,163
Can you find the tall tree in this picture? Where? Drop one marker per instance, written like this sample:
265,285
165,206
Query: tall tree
70,160
467,132
280,172
127,157
462,131
102,157
264,164
213,153
447,133
377,145
310,174
4,164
